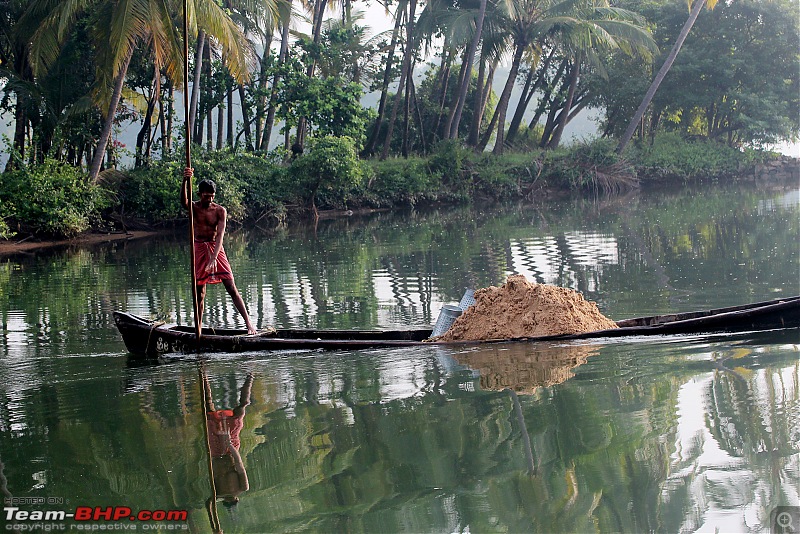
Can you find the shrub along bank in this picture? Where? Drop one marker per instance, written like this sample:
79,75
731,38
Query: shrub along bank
56,200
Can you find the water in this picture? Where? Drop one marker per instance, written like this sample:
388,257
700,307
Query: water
679,433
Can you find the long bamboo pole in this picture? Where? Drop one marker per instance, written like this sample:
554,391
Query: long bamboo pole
213,515
188,183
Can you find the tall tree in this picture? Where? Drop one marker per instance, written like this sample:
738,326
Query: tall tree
121,26
408,55
462,91
662,72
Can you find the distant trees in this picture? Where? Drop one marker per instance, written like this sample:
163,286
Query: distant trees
71,71
736,79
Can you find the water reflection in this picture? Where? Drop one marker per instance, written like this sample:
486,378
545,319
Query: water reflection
633,436
525,367
227,473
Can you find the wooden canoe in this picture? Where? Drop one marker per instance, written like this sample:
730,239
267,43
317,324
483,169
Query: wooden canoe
146,337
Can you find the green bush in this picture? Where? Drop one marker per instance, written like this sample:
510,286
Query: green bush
673,156
52,199
248,185
328,173
506,176
451,163
150,193
398,182
589,166
5,231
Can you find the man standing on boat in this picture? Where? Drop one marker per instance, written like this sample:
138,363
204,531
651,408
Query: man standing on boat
211,264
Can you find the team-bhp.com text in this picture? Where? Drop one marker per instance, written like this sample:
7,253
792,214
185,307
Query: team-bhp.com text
88,518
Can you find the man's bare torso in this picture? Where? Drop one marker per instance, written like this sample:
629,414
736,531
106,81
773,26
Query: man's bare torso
206,221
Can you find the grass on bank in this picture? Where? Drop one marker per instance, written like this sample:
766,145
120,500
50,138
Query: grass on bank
56,200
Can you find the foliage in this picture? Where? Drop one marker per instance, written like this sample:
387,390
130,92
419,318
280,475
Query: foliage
592,167
331,106
329,171
736,79
248,185
401,182
149,192
53,199
672,156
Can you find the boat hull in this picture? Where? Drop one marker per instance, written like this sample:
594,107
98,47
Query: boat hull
149,338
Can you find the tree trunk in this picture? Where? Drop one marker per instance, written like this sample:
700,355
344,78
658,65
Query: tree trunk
162,124
462,73
319,12
229,129
407,111
198,64
209,115
475,126
573,83
220,125
442,83
144,131
409,51
170,115
23,69
522,106
261,102
487,88
462,93
248,135
20,122
369,150
108,120
651,92
418,116
502,105
527,95
282,55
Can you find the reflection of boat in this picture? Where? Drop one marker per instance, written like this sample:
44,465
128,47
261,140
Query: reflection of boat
523,367
143,336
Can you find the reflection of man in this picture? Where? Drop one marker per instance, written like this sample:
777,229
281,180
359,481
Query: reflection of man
224,426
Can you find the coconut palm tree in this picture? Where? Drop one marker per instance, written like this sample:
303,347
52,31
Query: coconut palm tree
579,26
462,90
597,29
123,25
662,72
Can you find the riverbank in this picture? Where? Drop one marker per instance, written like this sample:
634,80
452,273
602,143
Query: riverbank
262,192
31,243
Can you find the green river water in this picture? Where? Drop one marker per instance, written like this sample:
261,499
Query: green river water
668,434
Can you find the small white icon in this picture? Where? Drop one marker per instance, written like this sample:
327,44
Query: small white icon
784,521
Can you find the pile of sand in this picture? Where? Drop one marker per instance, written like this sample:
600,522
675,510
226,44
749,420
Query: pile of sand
520,308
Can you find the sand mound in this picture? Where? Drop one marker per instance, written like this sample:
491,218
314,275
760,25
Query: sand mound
520,308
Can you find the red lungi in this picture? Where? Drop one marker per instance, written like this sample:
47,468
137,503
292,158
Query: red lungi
223,428
202,254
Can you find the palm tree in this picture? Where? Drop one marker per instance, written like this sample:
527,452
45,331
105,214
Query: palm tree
651,92
579,26
373,139
597,29
462,91
121,26
405,72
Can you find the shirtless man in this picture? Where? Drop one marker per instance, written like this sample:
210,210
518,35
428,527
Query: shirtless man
211,264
